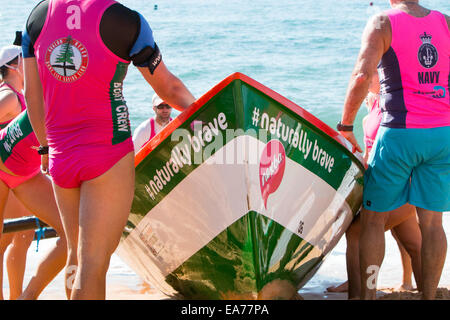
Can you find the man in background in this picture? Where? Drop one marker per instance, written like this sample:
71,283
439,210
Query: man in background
151,127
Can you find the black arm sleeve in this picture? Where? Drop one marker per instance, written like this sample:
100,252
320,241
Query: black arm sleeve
119,29
34,25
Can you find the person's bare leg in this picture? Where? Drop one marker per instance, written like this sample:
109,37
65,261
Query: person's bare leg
4,191
406,284
16,257
5,241
37,196
352,259
343,287
16,253
101,225
1,275
409,239
352,262
371,250
68,203
434,250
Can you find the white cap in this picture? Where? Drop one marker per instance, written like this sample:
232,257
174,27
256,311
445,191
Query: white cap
156,100
9,53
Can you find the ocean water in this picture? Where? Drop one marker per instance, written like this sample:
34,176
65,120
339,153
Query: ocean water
305,50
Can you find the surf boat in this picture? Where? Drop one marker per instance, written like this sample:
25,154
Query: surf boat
242,196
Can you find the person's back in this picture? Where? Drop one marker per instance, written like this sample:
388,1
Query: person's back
82,82
80,51
415,70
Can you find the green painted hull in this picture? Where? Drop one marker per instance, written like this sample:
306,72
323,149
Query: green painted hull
241,197
249,260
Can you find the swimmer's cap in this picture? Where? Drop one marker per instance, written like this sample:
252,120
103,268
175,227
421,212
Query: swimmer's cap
9,53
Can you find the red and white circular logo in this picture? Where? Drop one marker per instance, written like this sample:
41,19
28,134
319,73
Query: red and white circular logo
67,59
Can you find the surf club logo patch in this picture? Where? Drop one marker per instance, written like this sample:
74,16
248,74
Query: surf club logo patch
428,54
271,168
67,59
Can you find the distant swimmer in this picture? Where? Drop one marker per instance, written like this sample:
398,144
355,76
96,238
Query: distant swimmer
80,52
20,173
151,127
410,160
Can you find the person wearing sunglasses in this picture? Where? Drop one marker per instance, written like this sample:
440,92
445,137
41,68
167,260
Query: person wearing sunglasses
151,127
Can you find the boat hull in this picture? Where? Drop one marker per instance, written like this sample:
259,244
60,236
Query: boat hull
241,197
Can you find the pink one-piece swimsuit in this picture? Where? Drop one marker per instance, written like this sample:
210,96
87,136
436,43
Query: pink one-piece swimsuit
87,121
18,151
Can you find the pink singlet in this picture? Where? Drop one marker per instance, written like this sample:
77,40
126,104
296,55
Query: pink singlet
88,128
415,71
371,124
18,151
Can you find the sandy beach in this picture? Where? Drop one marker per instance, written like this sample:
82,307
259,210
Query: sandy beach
124,284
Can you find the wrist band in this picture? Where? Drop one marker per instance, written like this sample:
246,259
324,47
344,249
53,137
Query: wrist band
42,150
344,127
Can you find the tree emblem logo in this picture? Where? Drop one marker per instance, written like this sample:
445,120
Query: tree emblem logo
67,59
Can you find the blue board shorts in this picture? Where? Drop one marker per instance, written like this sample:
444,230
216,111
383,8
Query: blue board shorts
409,165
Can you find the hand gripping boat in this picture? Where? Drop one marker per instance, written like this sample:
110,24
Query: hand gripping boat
242,196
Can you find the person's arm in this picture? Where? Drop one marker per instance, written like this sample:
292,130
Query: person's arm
9,105
375,42
448,20
128,34
147,58
35,104
168,87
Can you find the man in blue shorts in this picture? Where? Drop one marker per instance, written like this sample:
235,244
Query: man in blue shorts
410,160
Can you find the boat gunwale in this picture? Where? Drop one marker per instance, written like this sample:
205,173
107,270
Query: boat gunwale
200,102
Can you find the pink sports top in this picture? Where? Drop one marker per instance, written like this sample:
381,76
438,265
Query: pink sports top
371,124
18,146
415,71
81,78
21,98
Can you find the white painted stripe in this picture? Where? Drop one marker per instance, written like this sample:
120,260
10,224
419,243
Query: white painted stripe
214,196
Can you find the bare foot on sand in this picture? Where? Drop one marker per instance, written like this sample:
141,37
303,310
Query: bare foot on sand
405,287
341,288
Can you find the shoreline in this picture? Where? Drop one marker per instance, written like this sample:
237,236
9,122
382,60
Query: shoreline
124,284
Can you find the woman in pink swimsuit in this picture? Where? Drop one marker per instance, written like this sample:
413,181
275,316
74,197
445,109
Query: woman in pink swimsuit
20,173
76,57
12,103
